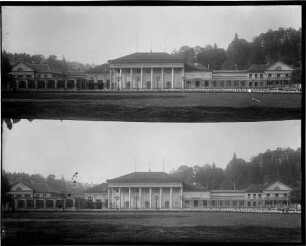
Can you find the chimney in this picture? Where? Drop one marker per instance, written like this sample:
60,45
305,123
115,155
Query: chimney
208,66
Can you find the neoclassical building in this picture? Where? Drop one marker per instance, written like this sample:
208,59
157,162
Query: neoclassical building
147,71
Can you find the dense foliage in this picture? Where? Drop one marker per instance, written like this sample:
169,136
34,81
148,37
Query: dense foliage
274,45
282,165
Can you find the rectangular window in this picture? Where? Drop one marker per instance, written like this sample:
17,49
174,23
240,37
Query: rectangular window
234,203
197,84
256,84
268,195
287,75
204,203
45,76
250,84
186,203
285,194
249,195
29,76
278,75
236,83
276,195
27,196
249,204
222,83
195,203
250,76
254,204
227,203
242,203
214,84
213,203
206,83
254,195
138,70
261,76
259,195
256,76
229,83
242,83
221,204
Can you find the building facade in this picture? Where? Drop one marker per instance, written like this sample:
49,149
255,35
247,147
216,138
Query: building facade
158,71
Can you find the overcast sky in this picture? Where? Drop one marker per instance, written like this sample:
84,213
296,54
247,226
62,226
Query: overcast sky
105,150
97,34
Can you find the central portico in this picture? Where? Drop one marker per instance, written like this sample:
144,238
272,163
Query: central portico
158,70
145,190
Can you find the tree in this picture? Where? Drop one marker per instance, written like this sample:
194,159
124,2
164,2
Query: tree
5,188
185,173
295,196
186,53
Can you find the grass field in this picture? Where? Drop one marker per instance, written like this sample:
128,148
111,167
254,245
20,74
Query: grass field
110,227
153,107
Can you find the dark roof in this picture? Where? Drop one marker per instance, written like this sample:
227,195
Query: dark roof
258,68
255,188
228,191
145,57
195,67
194,187
74,73
98,188
145,177
40,68
104,68
42,187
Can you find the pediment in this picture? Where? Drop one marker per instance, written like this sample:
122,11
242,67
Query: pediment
278,186
21,187
22,67
280,66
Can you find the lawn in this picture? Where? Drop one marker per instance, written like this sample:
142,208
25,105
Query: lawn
112,227
153,107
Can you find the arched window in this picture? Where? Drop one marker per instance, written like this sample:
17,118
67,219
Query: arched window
128,85
20,70
278,68
168,85
18,189
276,188
148,85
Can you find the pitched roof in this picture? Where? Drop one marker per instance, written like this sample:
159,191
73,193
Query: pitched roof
104,68
74,73
145,177
195,67
194,187
258,68
255,188
40,68
146,57
98,188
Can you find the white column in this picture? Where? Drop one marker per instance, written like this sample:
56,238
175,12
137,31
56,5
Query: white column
141,73
26,82
160,197
120,197
120,81
131,74
109,198
151,78
162,78
66,81
129,197
110,78
182,197
55,83
150,197
172,80
140,197
171,197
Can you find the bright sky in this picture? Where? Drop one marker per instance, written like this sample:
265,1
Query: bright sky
97,34
105,150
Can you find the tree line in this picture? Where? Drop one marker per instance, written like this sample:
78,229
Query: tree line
282,165
274,45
